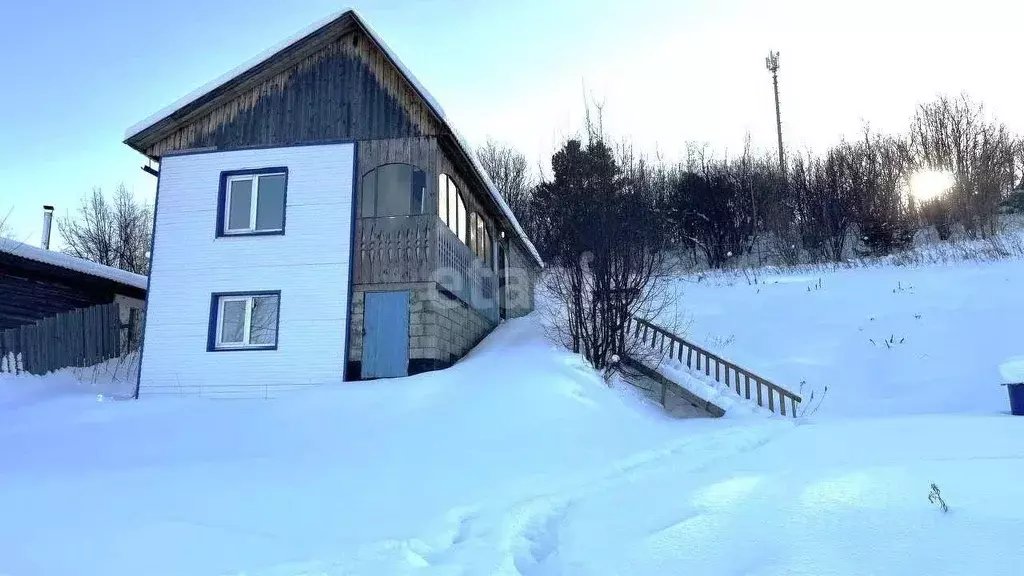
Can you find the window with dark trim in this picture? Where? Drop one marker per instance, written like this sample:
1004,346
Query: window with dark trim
451,207
252,202
392,190
244,321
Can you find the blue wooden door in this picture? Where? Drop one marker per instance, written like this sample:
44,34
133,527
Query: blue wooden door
385,334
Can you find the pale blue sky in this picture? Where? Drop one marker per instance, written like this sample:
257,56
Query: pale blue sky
77,74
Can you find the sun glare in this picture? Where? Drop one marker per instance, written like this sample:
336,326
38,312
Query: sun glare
928,184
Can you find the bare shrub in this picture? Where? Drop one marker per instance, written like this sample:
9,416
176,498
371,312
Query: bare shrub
113,232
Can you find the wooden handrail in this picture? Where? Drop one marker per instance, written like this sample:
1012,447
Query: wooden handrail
650,337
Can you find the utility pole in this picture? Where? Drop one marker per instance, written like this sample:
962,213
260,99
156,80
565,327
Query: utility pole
772,63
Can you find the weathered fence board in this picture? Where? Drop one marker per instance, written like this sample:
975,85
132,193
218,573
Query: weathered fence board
76,338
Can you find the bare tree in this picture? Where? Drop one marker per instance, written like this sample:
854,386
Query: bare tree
879,167
510,172
5,229
712,205
958,136
111,232
825,202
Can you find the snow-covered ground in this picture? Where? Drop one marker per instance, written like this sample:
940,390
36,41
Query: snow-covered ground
520,460
194,486
885,340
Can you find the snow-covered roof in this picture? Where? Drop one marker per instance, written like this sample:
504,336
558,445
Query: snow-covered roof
432,102
71,263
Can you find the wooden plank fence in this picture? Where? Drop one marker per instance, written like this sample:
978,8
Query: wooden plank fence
662,341
82,337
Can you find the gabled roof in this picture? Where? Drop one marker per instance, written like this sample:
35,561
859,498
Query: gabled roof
205,93
72,263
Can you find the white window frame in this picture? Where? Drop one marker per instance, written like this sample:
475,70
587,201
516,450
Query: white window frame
219,344
254,204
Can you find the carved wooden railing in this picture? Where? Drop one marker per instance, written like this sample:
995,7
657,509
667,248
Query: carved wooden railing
397,249
464,275
657,337
421,248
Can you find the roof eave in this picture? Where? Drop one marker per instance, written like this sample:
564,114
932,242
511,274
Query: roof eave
151,130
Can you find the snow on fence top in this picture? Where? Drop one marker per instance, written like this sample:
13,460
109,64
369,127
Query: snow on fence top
72,263
432,102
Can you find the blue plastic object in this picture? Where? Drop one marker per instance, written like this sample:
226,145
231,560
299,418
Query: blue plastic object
1016,398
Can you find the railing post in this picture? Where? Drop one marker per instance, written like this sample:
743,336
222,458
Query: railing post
704,357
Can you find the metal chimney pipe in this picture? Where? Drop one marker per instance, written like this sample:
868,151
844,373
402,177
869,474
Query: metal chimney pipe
47,221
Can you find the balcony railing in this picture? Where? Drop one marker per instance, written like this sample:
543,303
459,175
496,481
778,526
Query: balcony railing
395,250
464,275
421,248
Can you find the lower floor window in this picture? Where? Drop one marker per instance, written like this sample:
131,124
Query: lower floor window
241,321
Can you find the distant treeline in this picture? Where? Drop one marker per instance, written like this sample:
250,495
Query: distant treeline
952,171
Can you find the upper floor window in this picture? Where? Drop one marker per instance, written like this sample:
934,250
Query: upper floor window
479,237
252,202
392,190
450,206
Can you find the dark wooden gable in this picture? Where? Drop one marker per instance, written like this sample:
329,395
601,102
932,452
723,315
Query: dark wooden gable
334,85
35,290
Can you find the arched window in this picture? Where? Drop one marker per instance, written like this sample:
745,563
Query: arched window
450,206
392,190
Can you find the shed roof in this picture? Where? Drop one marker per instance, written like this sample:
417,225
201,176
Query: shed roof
72,263
191,101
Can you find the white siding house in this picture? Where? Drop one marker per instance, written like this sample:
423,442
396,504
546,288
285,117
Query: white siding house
195,341
319,220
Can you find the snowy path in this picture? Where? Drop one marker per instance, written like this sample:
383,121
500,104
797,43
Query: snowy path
843,497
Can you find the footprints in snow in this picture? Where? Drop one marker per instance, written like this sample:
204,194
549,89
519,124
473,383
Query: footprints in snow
542,539
527,538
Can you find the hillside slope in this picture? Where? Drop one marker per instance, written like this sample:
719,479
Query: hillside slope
885,340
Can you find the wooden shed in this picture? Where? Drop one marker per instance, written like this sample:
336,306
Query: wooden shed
37,284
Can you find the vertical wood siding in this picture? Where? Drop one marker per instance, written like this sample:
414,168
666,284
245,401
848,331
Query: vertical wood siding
82,337
345,90
309,264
